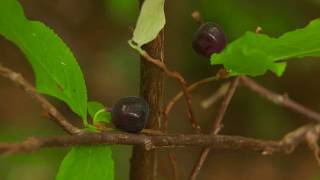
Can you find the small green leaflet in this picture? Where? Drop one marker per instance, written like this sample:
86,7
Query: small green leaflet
98,112
254,54
87,163
150,22
56,69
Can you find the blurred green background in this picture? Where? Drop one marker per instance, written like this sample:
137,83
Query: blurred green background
97,32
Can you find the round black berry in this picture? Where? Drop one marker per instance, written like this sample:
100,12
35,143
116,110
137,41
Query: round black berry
130,114
209,39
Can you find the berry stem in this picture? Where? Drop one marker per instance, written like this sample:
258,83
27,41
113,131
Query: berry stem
97,114
196,16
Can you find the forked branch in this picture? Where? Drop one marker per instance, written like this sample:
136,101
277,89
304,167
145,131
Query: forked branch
183,84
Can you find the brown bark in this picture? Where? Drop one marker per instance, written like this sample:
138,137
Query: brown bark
144,162
224,142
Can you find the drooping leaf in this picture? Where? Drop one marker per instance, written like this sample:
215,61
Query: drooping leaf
254,54
87,163
56,69
98,112
150,22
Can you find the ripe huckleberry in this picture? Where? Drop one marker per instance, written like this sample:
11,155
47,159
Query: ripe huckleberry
130,114
208,39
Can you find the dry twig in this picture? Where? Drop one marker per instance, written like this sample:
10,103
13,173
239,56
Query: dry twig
173,161
279,99
217,95
308,133
266,147
183,84
175,99
45,104
217,125
148,142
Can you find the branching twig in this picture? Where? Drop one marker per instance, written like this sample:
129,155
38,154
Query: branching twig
286,145
282,100
188,97
216,127
183,84
175,99
46,105
309,133
225,104
148,142
168,109
173,160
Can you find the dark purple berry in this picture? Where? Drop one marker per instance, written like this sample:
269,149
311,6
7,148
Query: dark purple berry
209,39
130,114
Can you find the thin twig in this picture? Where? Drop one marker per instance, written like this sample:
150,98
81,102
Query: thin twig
283,100
217,95
176,98
266,147
216,127
148,142
197,167
173,162
188,97
183,84
168,109
279,99
307,133
312,138
45,104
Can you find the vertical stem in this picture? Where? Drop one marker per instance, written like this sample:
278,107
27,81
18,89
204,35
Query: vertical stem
144,163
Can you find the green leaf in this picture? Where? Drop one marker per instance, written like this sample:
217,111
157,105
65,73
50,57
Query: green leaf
150,22
98,112
56,69
87,163
254,54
